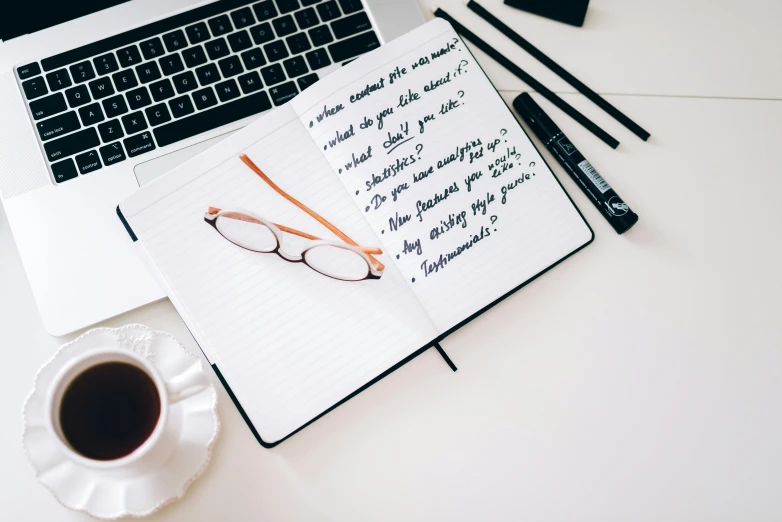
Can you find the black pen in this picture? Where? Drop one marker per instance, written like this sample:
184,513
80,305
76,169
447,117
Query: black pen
607,201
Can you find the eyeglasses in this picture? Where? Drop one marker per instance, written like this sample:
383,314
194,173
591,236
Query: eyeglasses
344,260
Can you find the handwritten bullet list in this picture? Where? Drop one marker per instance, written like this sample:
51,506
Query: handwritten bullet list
422,163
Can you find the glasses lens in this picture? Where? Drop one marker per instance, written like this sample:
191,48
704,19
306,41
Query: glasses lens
251,235
336,262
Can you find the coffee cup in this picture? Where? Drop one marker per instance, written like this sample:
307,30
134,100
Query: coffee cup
109,409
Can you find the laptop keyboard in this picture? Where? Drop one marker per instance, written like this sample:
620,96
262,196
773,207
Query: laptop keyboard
167,81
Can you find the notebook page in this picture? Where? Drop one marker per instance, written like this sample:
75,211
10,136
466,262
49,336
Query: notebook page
451,184
290,342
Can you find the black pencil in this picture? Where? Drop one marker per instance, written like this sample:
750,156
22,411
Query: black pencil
562,73
529,80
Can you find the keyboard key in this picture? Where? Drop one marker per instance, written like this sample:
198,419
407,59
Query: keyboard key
64,170
309,2
138,98
158,114
184,82
82,72
227,90
286,6
72,143
129,56
161,90
217,49
197,33
306,18
220,25
34,88
306,81
112,153
253,58
203,99
194,56
298,43
124,80
181,106
354,46
91,114
318,59
321,35
352,24
53,127
199,122
88,162
101,88
208,74
105,64
148,72
328,11
78,96
276,50
49,106
175,41
265,10
152,49
239,41
242,18
230,66
283,93
350,6
262,33
110,131
273,74
28,71
296,66
284,25
58,80
139,144
134,122
115,106
250,82
171,64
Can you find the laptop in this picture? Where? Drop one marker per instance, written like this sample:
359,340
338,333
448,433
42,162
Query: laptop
100,97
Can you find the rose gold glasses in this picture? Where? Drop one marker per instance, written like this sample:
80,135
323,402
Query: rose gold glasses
344,260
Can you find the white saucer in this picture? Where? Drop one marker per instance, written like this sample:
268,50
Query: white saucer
192,424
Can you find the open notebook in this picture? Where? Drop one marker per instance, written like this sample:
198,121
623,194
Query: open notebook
341,234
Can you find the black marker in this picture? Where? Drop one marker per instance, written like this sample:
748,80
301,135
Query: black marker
592,184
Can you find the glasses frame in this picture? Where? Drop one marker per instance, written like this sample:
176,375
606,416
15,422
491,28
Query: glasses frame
375,266
277,230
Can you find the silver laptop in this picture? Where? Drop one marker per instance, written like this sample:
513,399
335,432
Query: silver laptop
117,93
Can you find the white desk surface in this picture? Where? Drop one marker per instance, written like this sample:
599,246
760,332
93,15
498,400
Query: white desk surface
640,380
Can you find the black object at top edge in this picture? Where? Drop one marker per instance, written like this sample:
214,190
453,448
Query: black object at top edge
572,12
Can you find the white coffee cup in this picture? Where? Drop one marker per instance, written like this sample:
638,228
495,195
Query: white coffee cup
159,445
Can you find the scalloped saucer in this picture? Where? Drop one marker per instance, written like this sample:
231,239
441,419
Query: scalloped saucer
157,472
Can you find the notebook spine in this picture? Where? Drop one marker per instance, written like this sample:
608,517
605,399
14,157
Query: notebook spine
126,225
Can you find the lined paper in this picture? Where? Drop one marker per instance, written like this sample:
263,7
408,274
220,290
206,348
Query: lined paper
420,125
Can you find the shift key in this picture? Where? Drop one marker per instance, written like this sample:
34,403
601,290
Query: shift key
72,144
62,124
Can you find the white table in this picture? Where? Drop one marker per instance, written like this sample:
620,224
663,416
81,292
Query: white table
640,380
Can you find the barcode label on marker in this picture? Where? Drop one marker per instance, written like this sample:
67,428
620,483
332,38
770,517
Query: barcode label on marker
601,184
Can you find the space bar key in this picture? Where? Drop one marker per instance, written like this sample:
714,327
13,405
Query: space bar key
203,121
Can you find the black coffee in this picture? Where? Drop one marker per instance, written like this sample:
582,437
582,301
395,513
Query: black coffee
109,410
